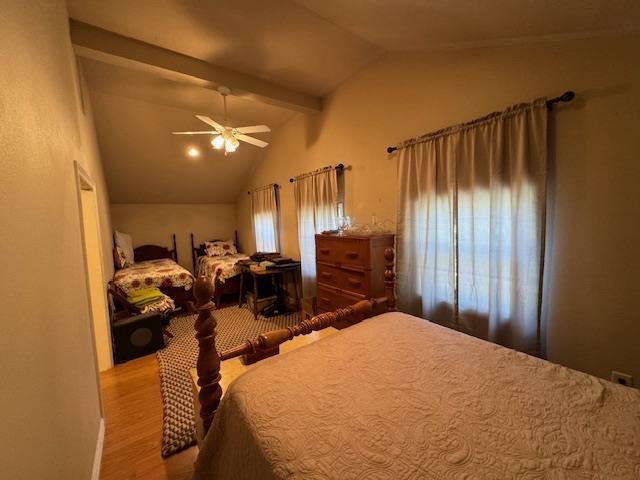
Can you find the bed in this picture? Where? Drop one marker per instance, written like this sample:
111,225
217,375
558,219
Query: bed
156,266
399,397
222,271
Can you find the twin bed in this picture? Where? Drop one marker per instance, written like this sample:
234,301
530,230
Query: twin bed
399,397
221,270
157,266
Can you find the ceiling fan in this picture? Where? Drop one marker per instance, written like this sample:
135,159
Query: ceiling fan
228,137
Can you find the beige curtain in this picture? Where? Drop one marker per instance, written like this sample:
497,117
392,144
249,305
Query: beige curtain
316,197
471,226
266,220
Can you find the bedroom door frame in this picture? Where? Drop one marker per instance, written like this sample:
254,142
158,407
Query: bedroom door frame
96,289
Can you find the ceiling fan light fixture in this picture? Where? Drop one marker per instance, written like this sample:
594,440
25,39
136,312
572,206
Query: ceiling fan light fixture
218,142
225,136
231,144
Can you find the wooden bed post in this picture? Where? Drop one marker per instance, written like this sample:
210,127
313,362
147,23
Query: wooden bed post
193,256
390,279
175,249
208,366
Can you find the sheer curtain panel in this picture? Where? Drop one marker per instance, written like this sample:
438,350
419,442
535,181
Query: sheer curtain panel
471,226
264,207
316,198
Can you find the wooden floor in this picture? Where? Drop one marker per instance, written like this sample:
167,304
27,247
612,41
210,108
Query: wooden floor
133,417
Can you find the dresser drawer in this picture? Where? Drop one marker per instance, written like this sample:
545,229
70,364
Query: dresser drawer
343,250
329,299
351,280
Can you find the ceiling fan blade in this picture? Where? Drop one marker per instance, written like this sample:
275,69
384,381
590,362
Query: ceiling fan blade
207,132
213,123
254,129
252,141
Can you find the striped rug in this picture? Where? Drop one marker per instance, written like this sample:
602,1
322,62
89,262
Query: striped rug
235,325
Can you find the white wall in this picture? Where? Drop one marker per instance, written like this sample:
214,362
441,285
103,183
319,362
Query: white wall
594,265
49,392
155,223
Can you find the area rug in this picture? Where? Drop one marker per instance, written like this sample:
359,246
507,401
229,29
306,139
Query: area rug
235,325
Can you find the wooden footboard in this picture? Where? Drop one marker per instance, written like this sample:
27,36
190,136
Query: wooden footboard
208,366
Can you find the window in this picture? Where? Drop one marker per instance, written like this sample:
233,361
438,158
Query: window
471,226
266,218
316,196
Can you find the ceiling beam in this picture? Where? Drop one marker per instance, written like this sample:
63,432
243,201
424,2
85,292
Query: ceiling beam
105,46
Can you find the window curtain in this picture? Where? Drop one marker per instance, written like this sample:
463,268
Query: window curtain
316,196
264,207
471,226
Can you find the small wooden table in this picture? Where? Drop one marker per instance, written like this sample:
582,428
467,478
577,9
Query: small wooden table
277,271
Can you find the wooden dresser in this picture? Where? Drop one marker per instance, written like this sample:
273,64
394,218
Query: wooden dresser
349,268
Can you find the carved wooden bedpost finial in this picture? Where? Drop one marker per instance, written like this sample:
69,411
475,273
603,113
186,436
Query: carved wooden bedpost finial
390,278
208,365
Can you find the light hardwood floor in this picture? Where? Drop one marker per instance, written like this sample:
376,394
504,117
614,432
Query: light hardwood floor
133,417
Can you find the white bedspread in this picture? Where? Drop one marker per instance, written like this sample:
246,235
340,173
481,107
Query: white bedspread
397,397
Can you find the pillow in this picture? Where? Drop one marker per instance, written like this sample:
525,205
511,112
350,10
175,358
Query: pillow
124,242
121,259
220,249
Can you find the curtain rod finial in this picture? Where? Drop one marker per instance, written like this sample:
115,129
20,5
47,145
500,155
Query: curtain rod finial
391,149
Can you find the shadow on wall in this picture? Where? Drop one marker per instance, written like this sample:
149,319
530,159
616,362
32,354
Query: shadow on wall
314,124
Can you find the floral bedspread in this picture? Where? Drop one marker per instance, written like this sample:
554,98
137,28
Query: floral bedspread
163,272
227,265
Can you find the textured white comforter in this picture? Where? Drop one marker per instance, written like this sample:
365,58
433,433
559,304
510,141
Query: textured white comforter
397,397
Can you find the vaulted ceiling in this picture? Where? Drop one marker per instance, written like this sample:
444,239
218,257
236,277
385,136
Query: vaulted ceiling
278,57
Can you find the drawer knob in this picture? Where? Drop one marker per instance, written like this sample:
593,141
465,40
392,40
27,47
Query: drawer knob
351,254
354,282
326,274
325,251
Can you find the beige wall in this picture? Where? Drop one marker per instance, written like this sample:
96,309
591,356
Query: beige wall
155,223
101,330
92,162
594,264
49,395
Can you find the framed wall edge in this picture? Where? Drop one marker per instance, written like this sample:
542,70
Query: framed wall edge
85,182
97,456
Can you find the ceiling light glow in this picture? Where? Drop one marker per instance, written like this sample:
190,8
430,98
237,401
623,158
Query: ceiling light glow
231,144
217,142
193,152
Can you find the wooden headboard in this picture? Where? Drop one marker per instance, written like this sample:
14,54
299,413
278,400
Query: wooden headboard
199,251
151,252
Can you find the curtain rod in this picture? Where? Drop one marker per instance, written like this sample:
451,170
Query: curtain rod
274,185
339,166
565,97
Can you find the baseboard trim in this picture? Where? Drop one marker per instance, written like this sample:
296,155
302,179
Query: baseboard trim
97,458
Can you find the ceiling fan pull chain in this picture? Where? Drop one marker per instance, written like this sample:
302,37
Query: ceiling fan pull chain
224,101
